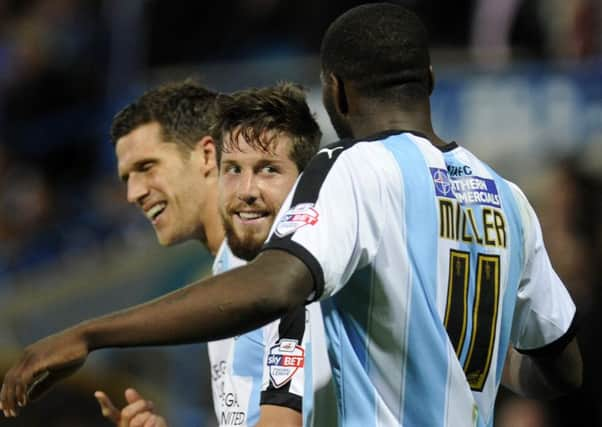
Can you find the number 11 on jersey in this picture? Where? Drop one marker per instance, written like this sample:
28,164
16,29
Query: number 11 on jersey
484,312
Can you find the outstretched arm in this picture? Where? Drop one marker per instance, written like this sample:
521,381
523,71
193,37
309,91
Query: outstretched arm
229,304
226,305
545,376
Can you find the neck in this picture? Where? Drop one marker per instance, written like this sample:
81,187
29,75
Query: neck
214,231
378,117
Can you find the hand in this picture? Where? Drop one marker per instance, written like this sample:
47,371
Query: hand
138,412
42,365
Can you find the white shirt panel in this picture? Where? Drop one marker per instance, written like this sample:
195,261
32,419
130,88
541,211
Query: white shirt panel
231,393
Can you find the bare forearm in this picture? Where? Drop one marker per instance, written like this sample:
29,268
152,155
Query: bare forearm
198,312
525,378
543,378
225,305
279,416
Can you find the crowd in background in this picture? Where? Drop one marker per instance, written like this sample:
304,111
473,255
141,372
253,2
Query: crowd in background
66,66
67,63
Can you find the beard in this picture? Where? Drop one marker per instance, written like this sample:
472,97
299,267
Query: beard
244,247
339,124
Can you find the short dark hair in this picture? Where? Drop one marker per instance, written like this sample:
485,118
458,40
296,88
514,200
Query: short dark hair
281,108
185,110
382,48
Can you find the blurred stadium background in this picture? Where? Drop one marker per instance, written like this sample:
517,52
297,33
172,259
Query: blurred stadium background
518,81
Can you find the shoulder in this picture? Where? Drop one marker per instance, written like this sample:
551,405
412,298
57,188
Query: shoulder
344,158
527,213
330,153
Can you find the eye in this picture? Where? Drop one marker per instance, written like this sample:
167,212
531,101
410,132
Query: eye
270,169
146,166
232,169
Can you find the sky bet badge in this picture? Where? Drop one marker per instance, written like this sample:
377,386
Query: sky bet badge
284,360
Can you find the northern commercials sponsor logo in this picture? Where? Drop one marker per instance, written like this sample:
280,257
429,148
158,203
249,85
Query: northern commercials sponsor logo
284,360
466,189
476,191
295,218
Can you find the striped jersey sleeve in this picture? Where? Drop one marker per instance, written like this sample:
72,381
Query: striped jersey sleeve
297,373
285,361
544,317
327,212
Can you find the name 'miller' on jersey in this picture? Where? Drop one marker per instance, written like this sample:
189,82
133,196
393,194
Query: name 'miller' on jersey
283,361
458,220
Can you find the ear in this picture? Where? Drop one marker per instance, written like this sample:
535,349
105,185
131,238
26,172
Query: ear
207,149
336,89
340,94
431,80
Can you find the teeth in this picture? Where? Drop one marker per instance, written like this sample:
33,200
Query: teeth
249,215
153,212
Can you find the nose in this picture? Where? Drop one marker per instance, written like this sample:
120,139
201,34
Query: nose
248,190
136,189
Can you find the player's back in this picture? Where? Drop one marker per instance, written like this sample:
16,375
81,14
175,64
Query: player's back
464,250
423,276
437,287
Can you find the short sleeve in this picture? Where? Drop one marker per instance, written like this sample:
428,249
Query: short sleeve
286,345
332,220
544,313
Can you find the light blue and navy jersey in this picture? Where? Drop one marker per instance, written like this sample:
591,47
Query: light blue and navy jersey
278,364
428,265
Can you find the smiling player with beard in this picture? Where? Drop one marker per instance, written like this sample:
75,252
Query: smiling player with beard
267,137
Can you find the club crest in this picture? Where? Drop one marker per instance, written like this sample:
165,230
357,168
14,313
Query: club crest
297,217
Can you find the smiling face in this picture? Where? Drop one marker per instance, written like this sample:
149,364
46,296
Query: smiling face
165,181
252,186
